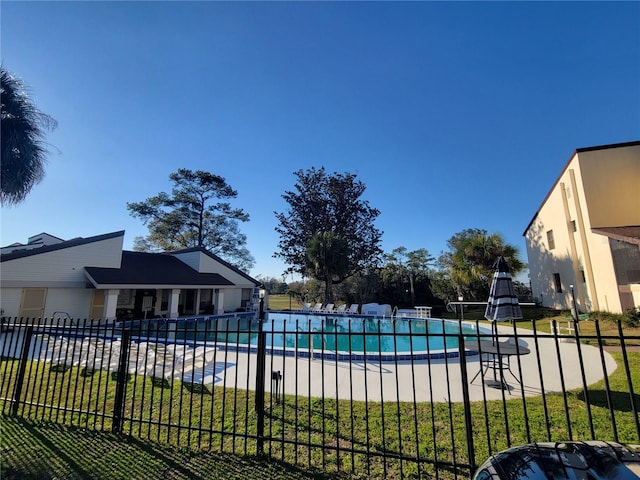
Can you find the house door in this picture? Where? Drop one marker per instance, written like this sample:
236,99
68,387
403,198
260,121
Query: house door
97,305
32,303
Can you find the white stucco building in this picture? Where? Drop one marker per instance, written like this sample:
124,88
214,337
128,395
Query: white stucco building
586,232
93,278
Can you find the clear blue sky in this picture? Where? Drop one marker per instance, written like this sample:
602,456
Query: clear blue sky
455,115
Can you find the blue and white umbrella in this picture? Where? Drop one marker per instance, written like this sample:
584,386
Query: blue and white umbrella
503,302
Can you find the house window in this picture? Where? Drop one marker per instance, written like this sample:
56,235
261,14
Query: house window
550,240
556,281
573,225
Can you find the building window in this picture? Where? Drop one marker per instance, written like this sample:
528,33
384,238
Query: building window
584,279
556,281
573,225
550,241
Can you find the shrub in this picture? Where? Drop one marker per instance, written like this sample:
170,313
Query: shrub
631,318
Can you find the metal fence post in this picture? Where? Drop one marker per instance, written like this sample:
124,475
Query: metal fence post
22,368
467,405
121,382
261,365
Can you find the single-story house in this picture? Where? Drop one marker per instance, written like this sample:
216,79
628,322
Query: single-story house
94,278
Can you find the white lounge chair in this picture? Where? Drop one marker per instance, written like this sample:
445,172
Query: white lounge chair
328,308
341,309
306,307
353,309
317,307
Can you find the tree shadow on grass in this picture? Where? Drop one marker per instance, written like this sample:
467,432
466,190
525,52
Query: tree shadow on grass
621,401
45,450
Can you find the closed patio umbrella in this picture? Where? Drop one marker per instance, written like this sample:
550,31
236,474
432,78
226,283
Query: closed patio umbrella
502,306
503,302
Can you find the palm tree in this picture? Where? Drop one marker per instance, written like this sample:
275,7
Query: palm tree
470,261
22,132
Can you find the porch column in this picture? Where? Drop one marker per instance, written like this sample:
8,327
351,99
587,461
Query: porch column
157,308
218,301
173,303
110,304
196,308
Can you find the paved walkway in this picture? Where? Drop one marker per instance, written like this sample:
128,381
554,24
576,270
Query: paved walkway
427,381
550,366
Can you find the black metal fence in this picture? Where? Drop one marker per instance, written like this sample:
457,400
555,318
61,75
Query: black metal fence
392,398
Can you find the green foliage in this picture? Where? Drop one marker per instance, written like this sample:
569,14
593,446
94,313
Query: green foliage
405,277
631,318
364,287
23,129
470,261
321,202
273,285
633,315
327,260
186,218
442,286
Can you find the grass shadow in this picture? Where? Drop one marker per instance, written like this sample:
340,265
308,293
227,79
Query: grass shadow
114,377
196,388
621,401
59,368
87,372
45,450
160,382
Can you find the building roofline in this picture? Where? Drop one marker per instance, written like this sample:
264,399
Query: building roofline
628,234
634,143
59,246
219,260
611,145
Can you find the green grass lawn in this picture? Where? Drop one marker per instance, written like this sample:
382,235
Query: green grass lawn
46,450
39,446
283,302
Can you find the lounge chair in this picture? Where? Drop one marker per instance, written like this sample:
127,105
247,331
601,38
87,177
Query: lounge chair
317,308
341,309
306,307
328,308
353,309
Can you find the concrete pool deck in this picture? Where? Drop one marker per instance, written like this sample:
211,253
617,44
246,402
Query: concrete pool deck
436,380
422,381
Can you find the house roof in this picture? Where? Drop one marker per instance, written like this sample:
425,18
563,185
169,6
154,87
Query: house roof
219,260
59,246
625,234
578,150
139,268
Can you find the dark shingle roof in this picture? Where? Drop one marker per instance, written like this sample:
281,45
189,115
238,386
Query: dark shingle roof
59,246
139,268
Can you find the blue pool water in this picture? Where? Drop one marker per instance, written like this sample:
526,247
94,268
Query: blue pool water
342,337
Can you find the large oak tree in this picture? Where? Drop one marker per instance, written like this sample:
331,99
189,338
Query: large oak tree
322,203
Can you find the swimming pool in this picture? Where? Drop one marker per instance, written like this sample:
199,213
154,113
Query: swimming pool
335,337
